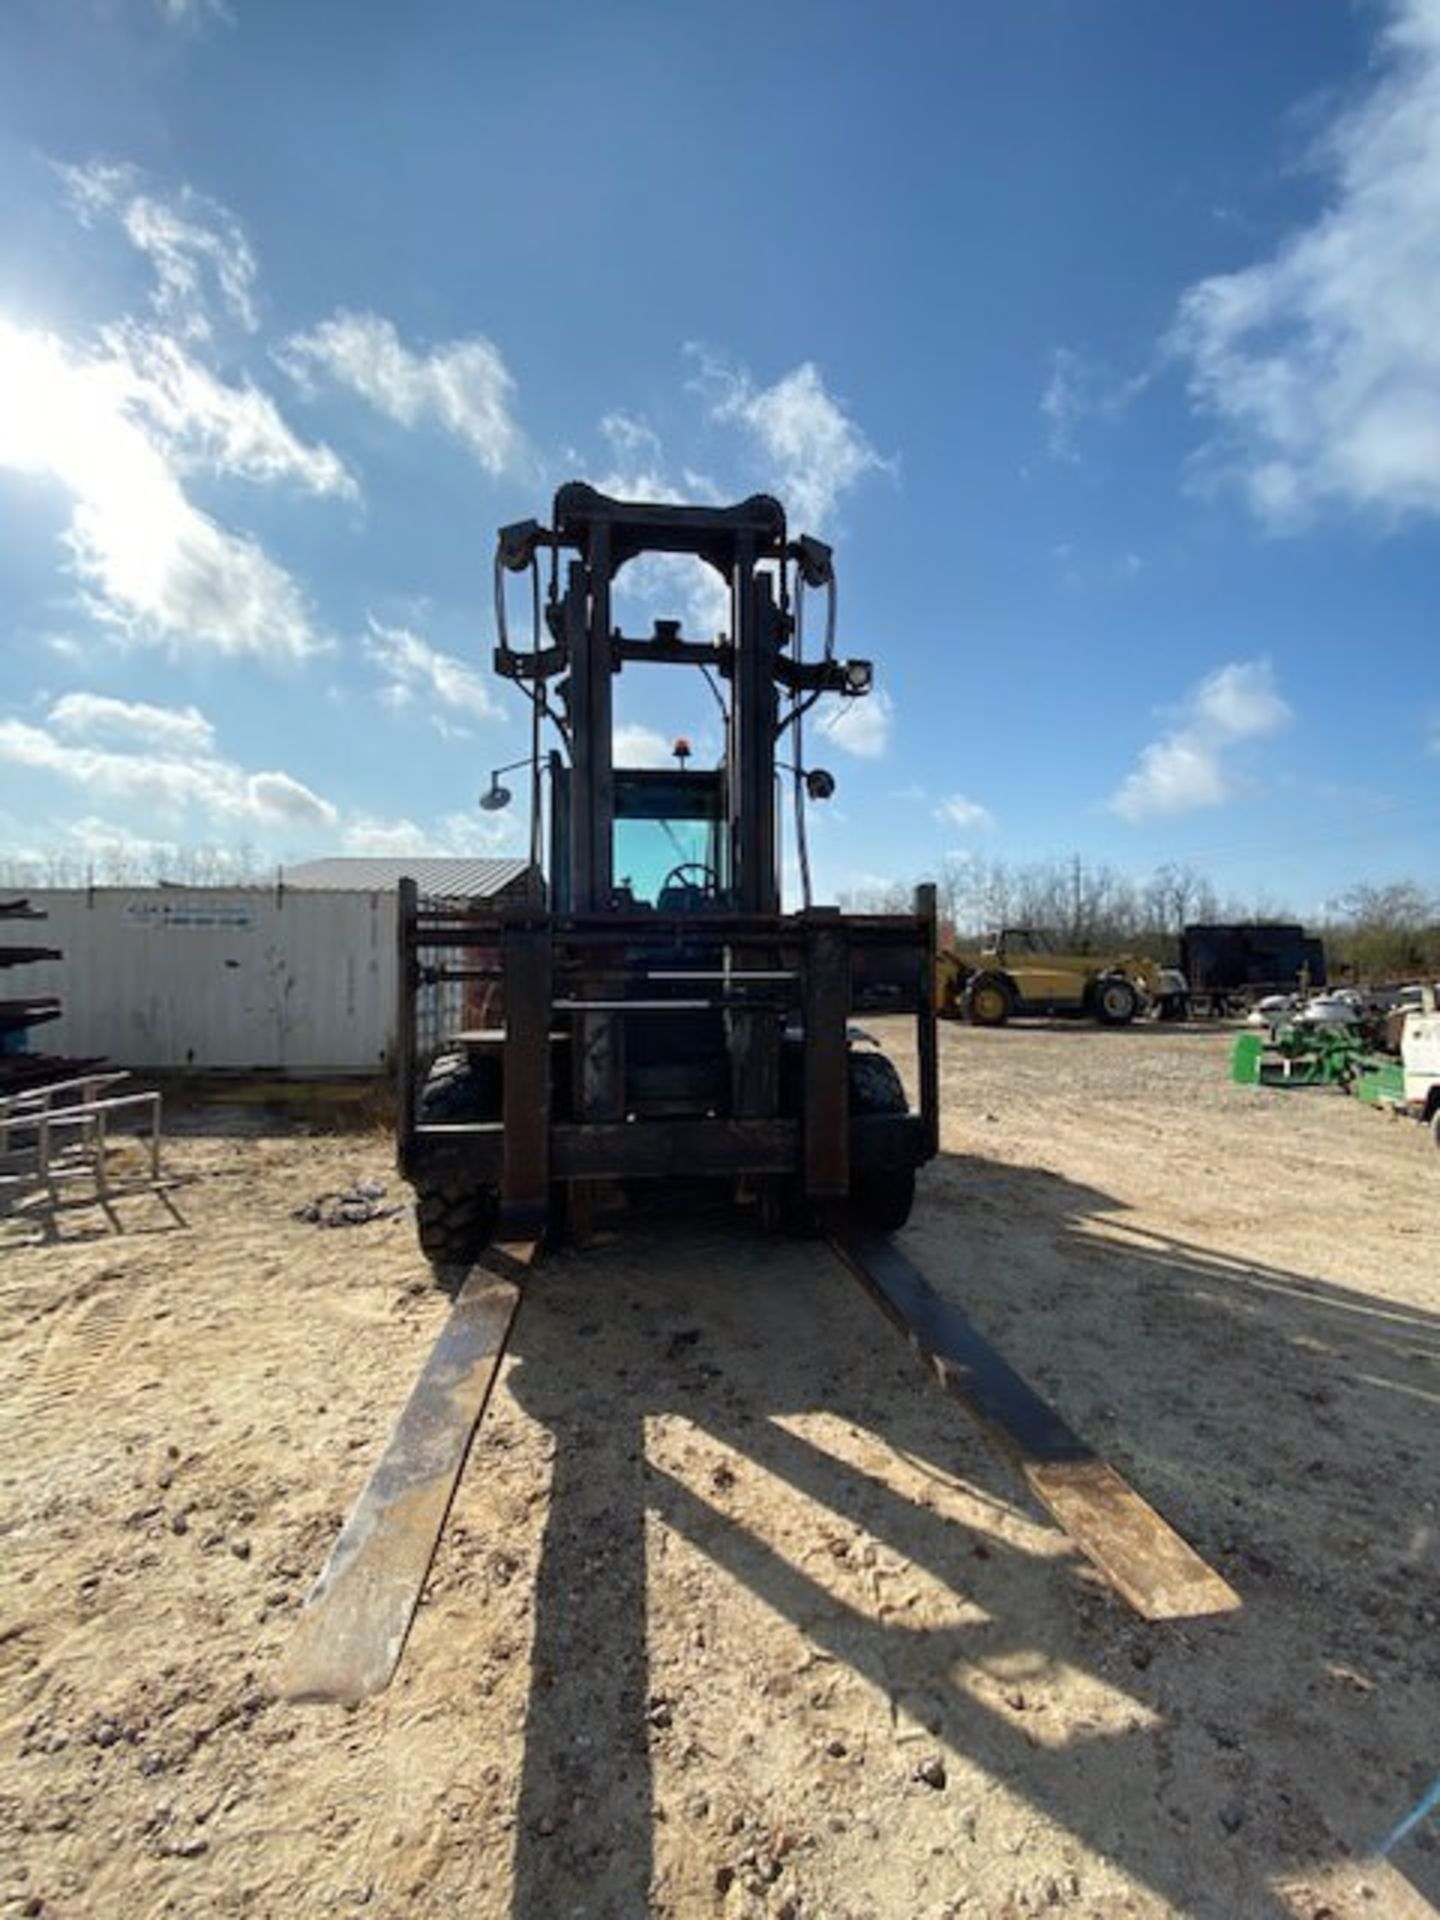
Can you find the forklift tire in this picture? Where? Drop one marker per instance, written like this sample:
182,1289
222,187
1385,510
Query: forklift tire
1115,1001
459,1088
455,1218
880,1196
988,1001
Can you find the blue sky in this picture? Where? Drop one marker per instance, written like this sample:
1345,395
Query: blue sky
1102,340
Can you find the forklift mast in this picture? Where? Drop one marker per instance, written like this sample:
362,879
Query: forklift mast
748,547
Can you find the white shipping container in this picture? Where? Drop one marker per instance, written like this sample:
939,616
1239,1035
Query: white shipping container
201,978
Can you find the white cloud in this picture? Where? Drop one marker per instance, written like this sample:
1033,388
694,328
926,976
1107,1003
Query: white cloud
173,769
279,796
415,670
484,833
638,469
201,421
661,585
1238,700
191,12
1321,364
199,418
675,586
155,782
956,810
154,565
1081,389
812,452
119,422
96,716
861,726
461,834
1061,403
193,245
374,834
463,386
1187,767
637,746
1175,774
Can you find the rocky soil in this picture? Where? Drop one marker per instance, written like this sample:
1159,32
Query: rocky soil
736,1616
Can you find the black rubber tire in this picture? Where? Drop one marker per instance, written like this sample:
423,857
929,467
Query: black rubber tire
988,1001
455,1220
454,1217
1115,1001
880,1196
459,1088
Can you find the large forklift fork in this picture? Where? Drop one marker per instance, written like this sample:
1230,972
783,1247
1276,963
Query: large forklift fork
354,1626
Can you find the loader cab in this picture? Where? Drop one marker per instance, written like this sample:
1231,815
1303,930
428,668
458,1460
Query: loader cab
1018,941
670,848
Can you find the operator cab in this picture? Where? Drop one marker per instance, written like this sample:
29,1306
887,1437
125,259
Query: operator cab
669,840
1019,940
670,848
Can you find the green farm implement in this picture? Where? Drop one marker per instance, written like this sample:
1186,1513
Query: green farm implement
1297,1057
1338,1056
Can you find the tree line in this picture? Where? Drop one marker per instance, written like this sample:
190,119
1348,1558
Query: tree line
1372,931
118,864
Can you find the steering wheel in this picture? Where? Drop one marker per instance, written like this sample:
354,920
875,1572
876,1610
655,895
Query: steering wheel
708,884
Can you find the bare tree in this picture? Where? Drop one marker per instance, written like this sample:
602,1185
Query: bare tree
114,864
1386,931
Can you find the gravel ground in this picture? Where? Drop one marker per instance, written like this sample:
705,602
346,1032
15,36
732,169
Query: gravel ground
734,1615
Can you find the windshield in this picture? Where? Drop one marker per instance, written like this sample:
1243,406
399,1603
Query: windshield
652,856
668,844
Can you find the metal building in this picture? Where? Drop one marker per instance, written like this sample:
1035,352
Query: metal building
296,979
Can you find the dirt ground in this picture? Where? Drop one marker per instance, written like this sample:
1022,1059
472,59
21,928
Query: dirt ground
735,1615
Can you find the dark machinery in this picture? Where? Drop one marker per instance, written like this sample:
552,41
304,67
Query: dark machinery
662,1015
650,1014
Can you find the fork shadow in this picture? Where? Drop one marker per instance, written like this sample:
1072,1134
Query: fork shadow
737,1333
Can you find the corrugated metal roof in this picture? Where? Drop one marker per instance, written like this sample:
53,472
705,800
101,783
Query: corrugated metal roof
439,878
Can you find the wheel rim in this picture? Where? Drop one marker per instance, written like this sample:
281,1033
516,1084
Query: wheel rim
1116,1001
989,1004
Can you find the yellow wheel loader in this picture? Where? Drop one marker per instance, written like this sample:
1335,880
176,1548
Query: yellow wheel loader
1022,970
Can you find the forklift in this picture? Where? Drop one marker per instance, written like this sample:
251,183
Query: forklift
649,1019
661,1014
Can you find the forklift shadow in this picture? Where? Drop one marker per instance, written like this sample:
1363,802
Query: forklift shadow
1226,1721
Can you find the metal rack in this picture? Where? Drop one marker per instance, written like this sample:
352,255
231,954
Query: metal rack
56,1136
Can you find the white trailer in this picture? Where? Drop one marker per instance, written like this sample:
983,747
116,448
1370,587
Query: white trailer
277,980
